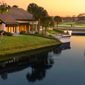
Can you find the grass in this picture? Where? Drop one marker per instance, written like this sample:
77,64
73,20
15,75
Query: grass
42,35
67,24
52,31
27,53
55,30
15,44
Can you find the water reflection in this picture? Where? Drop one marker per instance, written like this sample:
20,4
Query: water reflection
39,64
63,46
39,71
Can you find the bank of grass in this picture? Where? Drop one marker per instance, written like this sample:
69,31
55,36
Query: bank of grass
15,44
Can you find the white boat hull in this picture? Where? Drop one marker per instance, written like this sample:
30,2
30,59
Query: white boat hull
63,39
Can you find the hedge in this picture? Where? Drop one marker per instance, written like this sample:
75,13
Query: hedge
6,33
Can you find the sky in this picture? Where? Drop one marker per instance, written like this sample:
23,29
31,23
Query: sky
62,8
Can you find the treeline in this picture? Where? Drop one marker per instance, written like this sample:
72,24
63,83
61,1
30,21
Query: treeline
41,14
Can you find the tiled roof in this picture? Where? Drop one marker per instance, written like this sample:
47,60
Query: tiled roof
15,14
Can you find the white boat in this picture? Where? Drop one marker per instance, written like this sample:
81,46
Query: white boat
63,38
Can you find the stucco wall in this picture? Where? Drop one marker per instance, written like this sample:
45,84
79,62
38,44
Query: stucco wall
2,27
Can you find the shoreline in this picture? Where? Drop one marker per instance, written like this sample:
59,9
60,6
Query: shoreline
27,52
16,44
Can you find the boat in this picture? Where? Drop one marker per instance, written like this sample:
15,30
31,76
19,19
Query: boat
62,38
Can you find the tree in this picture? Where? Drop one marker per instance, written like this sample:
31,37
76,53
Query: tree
57,19
47,22
15,6
9,7
32,9
81,18
38,12
73,18
4,7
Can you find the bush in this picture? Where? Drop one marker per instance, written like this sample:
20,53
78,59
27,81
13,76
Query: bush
6,33
2,31
22,32
36,32
53,32
58,30
67,32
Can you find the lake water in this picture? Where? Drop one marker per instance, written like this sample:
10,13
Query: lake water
64,65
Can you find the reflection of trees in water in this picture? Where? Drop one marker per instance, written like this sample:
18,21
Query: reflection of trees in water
39,63
39,71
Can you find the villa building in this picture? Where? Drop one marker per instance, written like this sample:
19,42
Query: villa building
16,20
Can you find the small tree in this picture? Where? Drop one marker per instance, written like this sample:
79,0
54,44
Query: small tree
15,6
4,7
57,19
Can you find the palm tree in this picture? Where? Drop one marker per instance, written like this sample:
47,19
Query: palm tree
57,19
47,22
32,9
38,13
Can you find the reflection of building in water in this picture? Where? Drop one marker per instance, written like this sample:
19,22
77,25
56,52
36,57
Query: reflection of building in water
63,46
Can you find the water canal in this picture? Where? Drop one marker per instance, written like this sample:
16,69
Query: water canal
64,65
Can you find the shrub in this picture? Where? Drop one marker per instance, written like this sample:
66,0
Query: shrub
8,33
36,32
22,32
2,31
67,32
53,32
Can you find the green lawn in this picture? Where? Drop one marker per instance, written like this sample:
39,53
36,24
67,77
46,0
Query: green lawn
51,31
14,44
56,31
74,24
